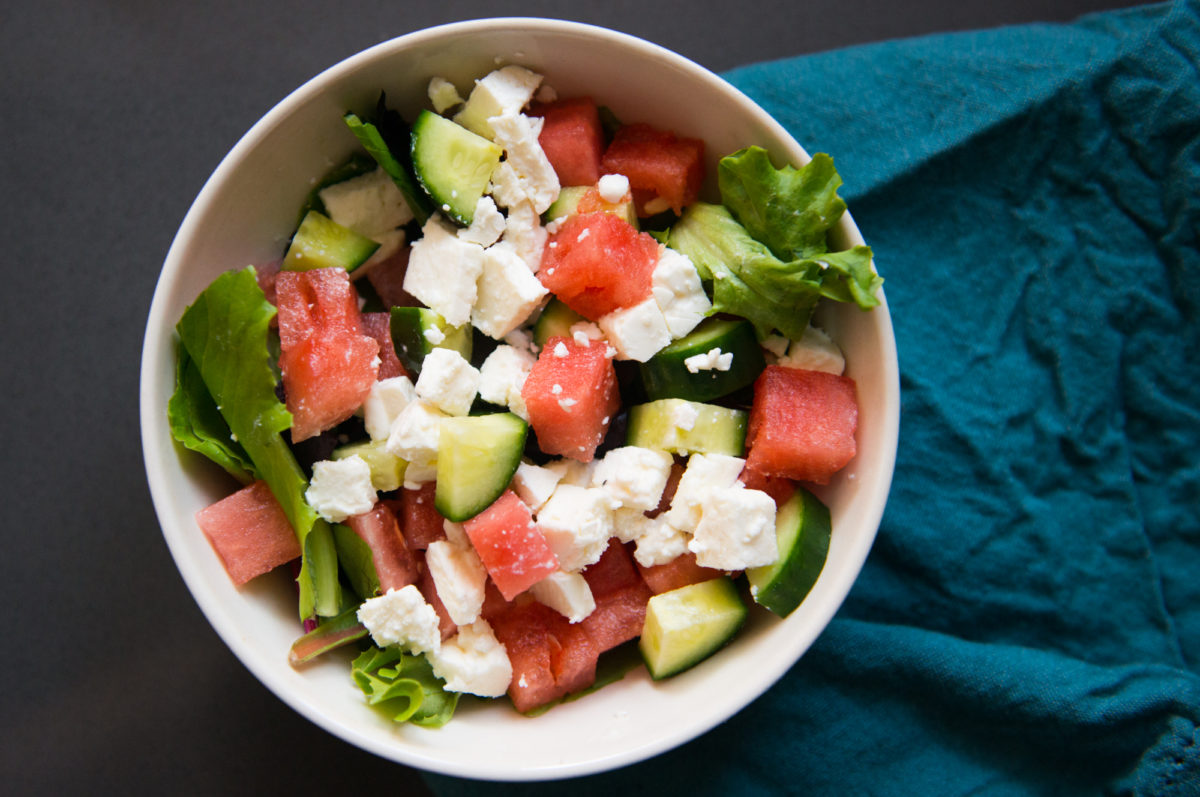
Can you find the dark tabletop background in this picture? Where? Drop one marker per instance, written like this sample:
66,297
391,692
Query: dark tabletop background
112,116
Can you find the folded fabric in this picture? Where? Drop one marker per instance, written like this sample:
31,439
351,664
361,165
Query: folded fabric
1028,621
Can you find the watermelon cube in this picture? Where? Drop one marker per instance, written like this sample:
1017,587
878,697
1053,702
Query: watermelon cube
250,532
802,424
621,597
379,327
510,545
571,396
394,563
328,362
597,262
524,630
572,138
421,523
660,166
679,572
387,278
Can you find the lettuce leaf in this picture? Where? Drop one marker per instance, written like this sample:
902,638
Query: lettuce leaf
789,209
196,423
403,686
225,332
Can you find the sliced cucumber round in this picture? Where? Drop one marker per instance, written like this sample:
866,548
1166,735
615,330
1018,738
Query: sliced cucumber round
687,625
452,164
687,427
667,375
477,457
802,532
320,242
416,331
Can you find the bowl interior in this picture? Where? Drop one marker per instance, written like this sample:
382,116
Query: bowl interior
246,212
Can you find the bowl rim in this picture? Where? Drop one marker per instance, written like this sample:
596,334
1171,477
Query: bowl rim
159,331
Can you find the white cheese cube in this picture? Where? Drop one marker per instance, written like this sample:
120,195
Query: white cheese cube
448,381
736,530
577,522
456,533
630,524
504,91
518,135
711,360
459,576
507,292
704,474
443,95
638,332
340,488
660,543
385,401
502,376
487,224
776,345
566,593
442,271
634,476
369,204
679,292
534,484
613,187
414,436
473,661
402,617
815,351
523,231
572,471
418,473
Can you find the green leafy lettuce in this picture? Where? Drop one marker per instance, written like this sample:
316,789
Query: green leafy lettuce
197,424
225,333
403,686
763,253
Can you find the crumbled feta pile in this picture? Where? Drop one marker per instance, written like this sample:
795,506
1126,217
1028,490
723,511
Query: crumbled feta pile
473,661
401,617
340,488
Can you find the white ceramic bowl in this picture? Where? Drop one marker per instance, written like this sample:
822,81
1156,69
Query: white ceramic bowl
244,214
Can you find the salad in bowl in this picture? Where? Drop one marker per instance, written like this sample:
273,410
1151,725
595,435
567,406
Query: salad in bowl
505,402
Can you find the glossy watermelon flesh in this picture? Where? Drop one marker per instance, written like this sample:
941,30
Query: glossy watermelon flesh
328,362
571,399
658,164
572,138
524,630
379,327
621,596
802,424
428,589
387,278
679,572
250,532
597,262
512,548
421,523
394,562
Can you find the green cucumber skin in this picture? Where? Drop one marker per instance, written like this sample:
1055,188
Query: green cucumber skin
408,325
444,183
702,649
337,246
556,320
665,376
718,430
458,502
803,531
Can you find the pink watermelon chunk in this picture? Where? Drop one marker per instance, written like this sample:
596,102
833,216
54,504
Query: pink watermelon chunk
250,532
621,596
801,425
679,572
387,278
524,630
572,138
597,262
512,548
422,524
394,563
571,399
328,363
379,327
658,163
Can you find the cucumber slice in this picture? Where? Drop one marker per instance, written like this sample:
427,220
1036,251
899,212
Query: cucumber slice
321,242
387,470
453,164
567,205
477,457
802,531
416,331
665,375
687,625
687,427
556,320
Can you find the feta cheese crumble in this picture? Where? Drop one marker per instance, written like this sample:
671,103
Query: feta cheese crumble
566,593
502,376
459,576
402,617
713,359
613,187
637,332
442,271
736,530
340,488
577,522
473,661
448,381
387,399
815,351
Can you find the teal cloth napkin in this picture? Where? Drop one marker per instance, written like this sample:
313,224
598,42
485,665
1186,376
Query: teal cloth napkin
1028,621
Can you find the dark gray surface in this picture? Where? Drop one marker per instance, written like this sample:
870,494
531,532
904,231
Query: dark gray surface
113,115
